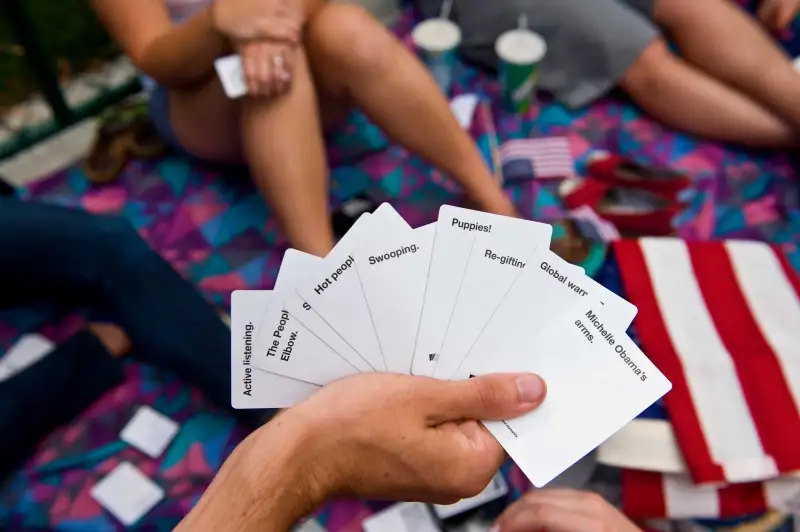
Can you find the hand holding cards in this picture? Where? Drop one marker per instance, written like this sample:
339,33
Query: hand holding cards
472,294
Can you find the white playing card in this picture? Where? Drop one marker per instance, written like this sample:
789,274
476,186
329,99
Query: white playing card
496,260
285,346
547,287
250,386
149,431
402,517
393,271
455,231
231,76
597,381
127,493
314,323
333,288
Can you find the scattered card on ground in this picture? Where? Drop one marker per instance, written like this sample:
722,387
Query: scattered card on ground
497,488
333,288
547,287
455,232
598,380
231,76
28,350
149,431
495,262
285,346
393,271
252,387
402,517
127,493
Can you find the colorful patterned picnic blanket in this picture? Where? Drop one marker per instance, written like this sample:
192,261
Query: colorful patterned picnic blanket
214,228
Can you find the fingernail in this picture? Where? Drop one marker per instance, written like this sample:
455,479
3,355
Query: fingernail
495,528
530,387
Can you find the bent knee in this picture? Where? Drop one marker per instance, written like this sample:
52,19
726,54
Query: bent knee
648,69
349,37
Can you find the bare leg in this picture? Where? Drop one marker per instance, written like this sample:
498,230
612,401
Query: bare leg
726,42
283,144
681,96
354,56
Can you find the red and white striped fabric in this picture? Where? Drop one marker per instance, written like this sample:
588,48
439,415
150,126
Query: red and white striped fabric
722,321
540,158
647,495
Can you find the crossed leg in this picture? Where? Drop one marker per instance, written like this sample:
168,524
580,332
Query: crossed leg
348,55
732,84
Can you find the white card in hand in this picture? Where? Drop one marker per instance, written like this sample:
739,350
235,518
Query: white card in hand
127,493
333,288
231,76
250,386
149,431
597,379
547,287
455,231
285,346
495,262
393,271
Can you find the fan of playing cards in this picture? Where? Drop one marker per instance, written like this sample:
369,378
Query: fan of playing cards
473,293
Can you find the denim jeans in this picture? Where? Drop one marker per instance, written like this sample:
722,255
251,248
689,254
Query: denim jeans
77,259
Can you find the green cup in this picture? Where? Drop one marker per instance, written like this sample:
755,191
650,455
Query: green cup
519,52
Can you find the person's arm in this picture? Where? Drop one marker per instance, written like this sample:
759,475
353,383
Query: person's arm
263,486
373,436
173,55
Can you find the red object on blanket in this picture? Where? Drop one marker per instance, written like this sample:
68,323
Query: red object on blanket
618,171
722,321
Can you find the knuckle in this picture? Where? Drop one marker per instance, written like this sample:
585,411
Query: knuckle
594,502
487,394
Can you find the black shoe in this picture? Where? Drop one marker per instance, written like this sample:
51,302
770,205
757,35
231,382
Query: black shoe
349,211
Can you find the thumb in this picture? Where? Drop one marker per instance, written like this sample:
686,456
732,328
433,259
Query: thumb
489,397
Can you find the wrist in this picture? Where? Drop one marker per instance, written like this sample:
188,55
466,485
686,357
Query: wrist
267,484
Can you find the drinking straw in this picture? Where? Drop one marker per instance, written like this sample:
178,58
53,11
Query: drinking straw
447,7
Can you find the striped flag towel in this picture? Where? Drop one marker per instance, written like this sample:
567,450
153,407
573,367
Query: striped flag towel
721,320
541,158
591,226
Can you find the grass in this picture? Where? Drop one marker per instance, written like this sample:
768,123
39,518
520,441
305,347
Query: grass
70,35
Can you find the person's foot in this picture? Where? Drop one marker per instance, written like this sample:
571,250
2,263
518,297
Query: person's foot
112,337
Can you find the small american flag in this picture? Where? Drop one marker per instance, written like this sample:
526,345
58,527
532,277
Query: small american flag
591,226
542,158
